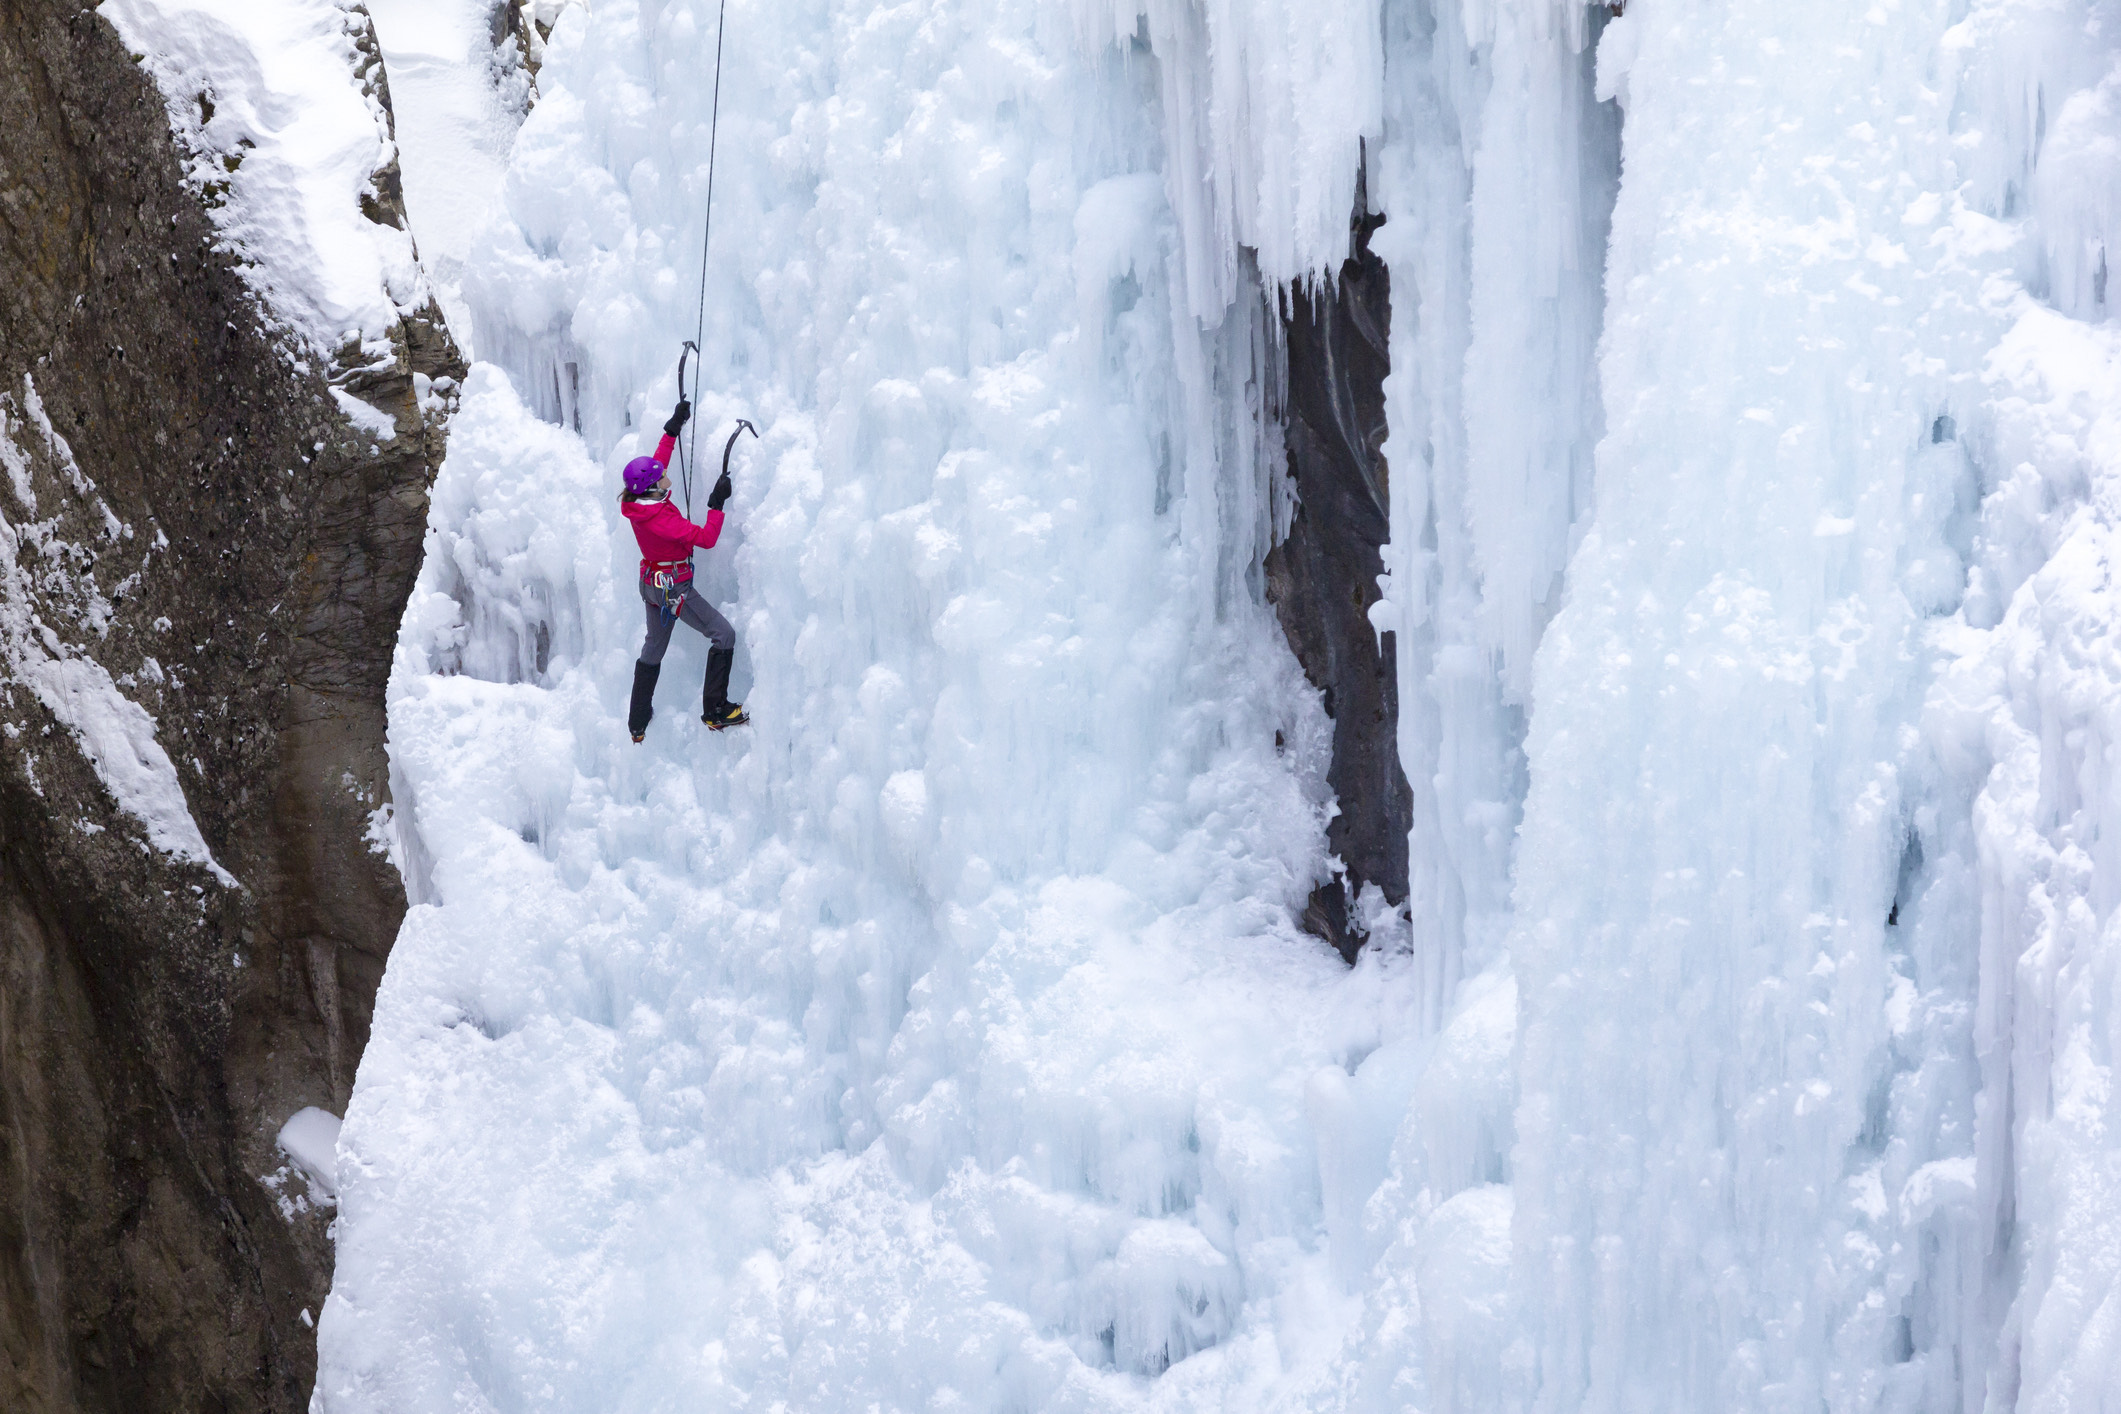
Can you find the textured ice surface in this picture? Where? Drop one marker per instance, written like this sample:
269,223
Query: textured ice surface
945,1036
943,1041
2036,703
1810,1065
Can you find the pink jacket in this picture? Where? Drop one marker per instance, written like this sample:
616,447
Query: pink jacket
666,537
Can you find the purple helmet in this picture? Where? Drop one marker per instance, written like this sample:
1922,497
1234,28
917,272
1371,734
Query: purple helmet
642,473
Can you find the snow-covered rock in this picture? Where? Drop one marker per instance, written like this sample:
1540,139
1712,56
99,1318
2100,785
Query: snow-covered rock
295,156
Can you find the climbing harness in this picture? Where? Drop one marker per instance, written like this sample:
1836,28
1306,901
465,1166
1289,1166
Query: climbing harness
665,581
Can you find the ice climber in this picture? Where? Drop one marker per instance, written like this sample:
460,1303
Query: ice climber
667,540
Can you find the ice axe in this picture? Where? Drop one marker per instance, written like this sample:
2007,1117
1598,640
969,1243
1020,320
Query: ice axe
723,487
742,426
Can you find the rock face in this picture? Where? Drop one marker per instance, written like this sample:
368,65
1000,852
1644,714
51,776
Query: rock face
518,30
1322,578
190,525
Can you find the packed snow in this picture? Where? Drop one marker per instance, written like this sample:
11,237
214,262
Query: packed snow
457,101
945,1040
310,1138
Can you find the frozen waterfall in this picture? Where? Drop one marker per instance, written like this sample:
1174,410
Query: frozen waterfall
947,1039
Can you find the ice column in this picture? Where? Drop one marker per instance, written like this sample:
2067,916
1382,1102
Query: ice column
1747,1170
1497,175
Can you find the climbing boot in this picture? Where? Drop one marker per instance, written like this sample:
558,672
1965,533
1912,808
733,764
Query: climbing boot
716,710
643,705
715,691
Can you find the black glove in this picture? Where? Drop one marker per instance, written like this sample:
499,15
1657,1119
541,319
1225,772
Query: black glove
720,493
678,419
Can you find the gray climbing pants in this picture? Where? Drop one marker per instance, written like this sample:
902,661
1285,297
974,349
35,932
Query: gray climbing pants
695,610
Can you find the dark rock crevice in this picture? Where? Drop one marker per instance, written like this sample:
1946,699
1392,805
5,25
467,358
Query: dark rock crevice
156,1026
1322,577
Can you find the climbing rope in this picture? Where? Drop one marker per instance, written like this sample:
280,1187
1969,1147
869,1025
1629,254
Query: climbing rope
688,450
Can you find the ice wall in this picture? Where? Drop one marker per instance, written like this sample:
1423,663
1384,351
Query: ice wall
1713,1183
1497,171
2026,706
945,1042
943,1039
1263,107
